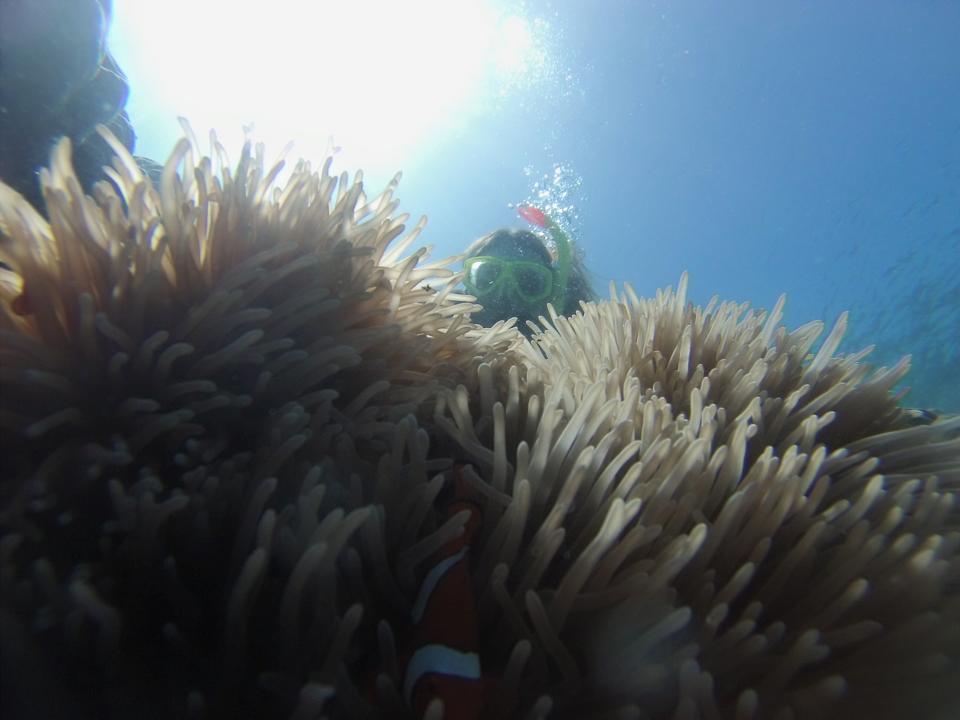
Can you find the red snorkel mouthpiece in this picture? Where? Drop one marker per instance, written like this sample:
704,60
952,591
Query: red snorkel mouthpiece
533,215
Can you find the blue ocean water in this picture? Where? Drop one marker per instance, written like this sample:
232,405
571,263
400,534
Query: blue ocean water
804,148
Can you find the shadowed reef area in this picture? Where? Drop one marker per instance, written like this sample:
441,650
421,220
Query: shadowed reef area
229,413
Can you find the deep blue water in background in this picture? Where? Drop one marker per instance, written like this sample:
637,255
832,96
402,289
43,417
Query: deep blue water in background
804,148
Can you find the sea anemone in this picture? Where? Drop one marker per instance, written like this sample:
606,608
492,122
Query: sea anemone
691,516
229,411
205,386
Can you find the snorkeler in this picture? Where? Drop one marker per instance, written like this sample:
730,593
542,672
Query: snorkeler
512,273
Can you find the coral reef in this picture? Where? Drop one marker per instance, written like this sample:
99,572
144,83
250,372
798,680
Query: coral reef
229,412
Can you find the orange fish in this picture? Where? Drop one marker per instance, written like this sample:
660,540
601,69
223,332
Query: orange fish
444,662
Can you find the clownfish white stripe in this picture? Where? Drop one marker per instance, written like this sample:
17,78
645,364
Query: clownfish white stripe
431,581
439,660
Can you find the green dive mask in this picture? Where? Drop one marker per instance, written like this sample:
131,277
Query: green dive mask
487,275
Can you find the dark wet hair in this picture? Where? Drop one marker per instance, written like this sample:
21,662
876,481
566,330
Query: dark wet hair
512,245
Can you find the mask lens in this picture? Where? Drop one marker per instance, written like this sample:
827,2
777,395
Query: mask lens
483,274
534,281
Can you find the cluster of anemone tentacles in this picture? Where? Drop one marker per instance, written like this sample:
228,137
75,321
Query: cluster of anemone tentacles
229,411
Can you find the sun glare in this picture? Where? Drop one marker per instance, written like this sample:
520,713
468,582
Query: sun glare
375,78
514,50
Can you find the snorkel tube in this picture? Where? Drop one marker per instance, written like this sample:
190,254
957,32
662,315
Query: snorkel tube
538,218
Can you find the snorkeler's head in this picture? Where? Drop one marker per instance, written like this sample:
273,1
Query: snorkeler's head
511,273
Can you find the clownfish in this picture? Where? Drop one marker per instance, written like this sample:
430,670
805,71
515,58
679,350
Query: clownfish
444,659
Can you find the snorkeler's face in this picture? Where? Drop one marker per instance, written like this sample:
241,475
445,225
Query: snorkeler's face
505,305
508,288
510,279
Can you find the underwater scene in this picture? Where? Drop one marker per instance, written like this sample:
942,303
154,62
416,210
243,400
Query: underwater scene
803,149
475,359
